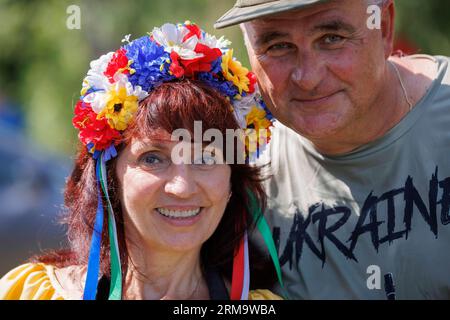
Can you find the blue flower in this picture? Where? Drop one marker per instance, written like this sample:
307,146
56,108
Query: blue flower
216,66
269,114
225,87
148,60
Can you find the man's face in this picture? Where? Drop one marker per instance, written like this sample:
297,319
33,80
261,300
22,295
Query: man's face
320,69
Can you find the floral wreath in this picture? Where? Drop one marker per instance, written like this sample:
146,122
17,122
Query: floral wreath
118,81
110,96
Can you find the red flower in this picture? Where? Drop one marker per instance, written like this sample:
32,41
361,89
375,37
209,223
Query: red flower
203,64
93,130
119,61
194,30
190,68
175,67
252,77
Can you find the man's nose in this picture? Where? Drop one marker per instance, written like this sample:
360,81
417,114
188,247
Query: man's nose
181,182
307,73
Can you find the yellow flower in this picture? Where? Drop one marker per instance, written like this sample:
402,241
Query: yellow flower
119,109
84,88
233,71
251,141
256,118
257,132
128,67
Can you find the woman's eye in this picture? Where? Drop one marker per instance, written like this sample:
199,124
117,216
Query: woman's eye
206,160
209,160
152,160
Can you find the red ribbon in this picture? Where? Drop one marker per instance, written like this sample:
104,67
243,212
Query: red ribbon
237,281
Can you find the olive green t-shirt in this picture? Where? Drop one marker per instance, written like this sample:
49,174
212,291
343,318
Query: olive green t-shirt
341,223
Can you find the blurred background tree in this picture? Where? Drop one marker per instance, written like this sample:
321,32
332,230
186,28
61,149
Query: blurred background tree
425,25
43,63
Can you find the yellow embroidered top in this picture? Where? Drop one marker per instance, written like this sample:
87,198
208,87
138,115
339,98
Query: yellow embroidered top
38,281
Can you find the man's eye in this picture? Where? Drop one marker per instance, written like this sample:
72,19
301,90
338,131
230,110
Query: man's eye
332,39
280,48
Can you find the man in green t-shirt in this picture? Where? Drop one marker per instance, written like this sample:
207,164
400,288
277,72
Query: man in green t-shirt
360,157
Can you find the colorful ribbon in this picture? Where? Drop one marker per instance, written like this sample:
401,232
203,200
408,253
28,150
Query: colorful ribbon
115,292
246,280
92,277
90,288
237,277
263,227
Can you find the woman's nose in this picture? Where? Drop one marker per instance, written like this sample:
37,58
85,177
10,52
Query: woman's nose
182,182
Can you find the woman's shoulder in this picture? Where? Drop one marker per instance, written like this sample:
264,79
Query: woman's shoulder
30,281
39,281
263,294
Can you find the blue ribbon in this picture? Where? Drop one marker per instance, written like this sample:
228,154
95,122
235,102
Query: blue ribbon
90,288
109,153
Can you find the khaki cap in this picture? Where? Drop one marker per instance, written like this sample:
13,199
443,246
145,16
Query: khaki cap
246,10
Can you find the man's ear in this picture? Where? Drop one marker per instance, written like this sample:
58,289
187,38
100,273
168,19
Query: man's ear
244,34
387,26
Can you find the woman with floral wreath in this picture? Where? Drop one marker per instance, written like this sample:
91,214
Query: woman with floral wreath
140,225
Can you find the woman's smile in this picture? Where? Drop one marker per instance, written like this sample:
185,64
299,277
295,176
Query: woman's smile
180,217
178,213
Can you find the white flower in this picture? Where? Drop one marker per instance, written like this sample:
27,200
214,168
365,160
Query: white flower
99,99
99,66
95,78
171,38
212,42
242,107
122,82
101,85
126,38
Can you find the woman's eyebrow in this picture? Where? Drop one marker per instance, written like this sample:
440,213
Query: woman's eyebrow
160,145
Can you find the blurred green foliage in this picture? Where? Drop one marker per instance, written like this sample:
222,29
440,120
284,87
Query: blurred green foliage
42,62
426,23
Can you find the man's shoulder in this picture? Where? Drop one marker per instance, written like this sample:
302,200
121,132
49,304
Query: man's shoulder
438,92
444,63
442,68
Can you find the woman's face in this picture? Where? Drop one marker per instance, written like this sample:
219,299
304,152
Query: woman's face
165,205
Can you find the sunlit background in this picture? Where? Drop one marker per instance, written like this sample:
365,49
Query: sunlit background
42,64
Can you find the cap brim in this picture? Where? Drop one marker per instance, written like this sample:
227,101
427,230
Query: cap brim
238,15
